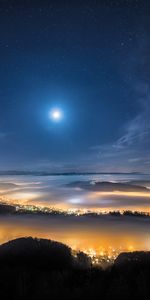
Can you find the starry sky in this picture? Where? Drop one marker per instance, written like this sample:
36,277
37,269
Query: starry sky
89,59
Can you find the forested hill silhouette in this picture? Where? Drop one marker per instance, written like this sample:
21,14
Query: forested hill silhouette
133,258
36,252
38,268
41,253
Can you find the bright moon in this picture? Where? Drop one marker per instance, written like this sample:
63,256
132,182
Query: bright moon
56,115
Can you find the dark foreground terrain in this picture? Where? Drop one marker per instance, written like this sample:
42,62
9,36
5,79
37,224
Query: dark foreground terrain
43,269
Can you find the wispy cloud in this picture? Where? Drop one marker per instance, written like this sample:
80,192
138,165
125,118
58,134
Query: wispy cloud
137,131
133,145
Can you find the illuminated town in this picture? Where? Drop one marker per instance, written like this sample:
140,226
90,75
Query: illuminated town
26,208
100,255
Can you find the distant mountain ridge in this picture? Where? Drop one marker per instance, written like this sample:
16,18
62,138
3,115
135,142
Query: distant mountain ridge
47,173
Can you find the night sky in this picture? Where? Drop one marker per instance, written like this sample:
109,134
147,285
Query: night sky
89,60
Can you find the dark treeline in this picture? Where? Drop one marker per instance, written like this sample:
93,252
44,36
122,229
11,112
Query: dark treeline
24,210
42,269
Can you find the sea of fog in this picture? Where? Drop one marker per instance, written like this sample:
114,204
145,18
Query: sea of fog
78,191
100,192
